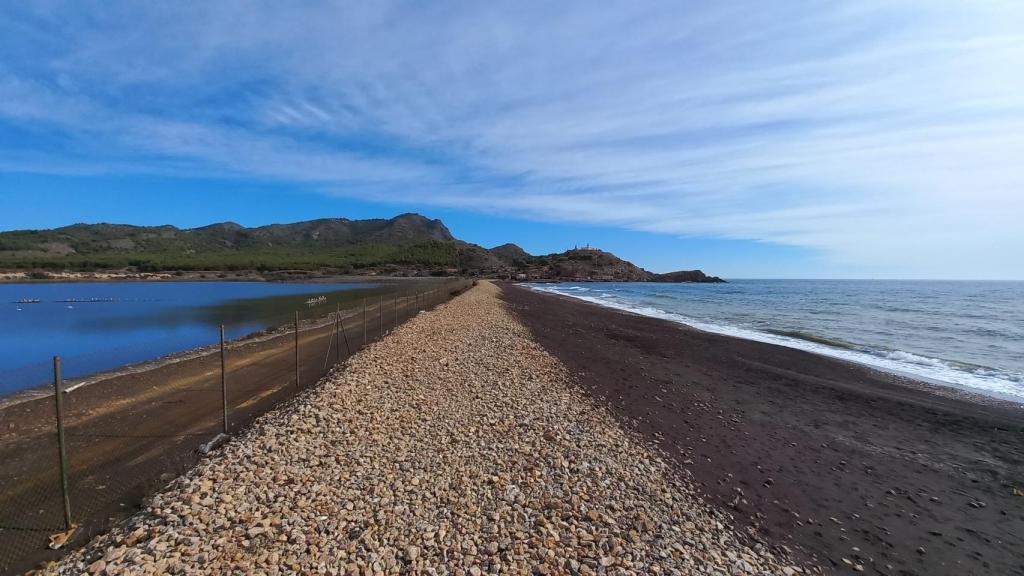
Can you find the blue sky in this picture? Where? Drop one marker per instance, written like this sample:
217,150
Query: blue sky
806,139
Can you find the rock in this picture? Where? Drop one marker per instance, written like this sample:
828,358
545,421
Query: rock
456,445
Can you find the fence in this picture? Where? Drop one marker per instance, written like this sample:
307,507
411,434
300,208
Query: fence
80,459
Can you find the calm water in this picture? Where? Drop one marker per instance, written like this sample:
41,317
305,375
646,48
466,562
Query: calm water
132,322
964,334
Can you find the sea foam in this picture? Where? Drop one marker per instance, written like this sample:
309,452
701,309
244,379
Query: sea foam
964,376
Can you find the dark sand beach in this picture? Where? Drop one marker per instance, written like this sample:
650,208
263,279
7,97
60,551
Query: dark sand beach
850,467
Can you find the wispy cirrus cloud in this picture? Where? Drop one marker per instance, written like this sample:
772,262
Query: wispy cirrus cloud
885,136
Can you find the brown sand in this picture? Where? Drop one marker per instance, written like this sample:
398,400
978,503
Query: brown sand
832,460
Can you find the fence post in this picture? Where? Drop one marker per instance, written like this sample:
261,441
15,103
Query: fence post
223,379
364,322
341,324
380,316
337,333
296,349
58,394
396,311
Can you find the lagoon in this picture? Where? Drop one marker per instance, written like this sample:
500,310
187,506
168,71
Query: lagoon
98,326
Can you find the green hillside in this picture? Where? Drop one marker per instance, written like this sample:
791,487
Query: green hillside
340,244
407,244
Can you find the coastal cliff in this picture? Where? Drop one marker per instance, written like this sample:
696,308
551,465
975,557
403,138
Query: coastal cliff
686,276
591,264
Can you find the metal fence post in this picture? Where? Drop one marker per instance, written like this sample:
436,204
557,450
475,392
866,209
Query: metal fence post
396,311
296,349
364,322
223,379
58,394
380,315
337,333
341,324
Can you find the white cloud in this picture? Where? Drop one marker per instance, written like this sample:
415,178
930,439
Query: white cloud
887,136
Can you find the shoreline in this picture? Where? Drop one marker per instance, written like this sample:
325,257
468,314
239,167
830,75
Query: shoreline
74,383
44,390
457,445
843,464
260,336
129,433
933,385
9,277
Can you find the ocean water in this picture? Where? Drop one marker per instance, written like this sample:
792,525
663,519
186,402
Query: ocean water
968,335
97,326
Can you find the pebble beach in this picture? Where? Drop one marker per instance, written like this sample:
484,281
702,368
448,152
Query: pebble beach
457,445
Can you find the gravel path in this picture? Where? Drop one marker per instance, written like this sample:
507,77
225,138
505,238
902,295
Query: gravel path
454,446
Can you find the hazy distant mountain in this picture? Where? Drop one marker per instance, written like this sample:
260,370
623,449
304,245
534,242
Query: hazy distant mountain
405,244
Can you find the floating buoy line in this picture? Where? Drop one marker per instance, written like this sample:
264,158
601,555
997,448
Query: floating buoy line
69,300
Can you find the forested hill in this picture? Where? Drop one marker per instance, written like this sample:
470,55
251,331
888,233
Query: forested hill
408,244
337,243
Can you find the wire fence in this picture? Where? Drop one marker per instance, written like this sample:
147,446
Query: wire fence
78,460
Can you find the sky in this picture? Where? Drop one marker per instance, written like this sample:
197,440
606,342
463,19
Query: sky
791,139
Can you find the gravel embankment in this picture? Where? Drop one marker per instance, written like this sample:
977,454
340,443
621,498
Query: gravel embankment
454,446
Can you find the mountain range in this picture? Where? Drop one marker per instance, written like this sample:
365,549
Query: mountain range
408,244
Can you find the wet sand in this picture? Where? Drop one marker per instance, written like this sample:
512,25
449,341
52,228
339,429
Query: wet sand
841,464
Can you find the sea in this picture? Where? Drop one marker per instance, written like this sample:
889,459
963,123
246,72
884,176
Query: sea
963,334
99,326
